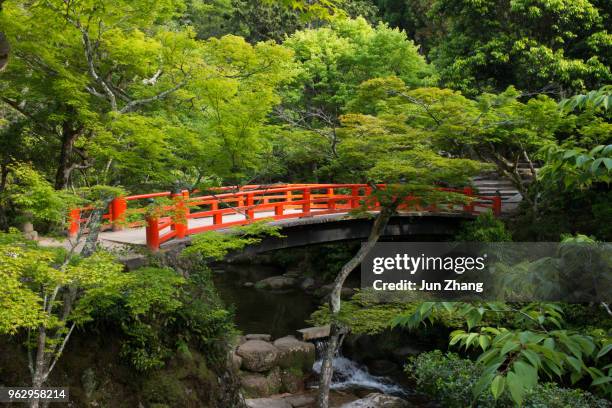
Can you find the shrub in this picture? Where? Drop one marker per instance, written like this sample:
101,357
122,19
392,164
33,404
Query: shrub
485,228
451,380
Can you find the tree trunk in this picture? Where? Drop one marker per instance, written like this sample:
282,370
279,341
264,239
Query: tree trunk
64,168
40,367
4,46
327,369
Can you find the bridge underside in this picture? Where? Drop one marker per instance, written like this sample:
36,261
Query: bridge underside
341,227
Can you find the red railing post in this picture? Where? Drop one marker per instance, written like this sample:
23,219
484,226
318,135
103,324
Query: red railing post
117,212
153,233
218,218
354,197
331,201
181,214
75,222
250,202
279,209
469,207
306,198
497,206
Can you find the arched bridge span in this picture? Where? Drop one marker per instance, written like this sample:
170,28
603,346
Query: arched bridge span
319,212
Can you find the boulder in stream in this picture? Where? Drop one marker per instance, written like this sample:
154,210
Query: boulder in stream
267,403
277,283
257,355
295,354
263,337
378,400
260,385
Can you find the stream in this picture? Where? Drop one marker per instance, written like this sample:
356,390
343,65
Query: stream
281,313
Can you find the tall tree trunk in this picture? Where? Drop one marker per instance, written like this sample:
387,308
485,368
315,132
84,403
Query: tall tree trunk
4,46
38,376
327,369
64,167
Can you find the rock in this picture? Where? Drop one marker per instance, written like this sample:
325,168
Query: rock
295,354
262,337
383,367
257,355
314,333
276,282
307,284
260,385
293,273
27,227
377,400
292,380
301,401
267,403
134,261
32,236
401,354
236,361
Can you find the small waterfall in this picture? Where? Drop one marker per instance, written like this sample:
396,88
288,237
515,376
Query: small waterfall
350,375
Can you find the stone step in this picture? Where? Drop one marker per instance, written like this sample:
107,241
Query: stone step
487,182
491,190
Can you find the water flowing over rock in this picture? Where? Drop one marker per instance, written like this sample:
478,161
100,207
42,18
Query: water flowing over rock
350,375
257,355
377,400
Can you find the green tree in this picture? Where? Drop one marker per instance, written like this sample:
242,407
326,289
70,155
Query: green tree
486,46
334,61
48,292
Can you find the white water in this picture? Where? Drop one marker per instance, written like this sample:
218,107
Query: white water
350,375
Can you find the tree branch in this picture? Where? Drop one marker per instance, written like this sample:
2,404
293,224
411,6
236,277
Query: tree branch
136,103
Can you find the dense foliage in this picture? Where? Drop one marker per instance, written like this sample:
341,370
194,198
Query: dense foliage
452,379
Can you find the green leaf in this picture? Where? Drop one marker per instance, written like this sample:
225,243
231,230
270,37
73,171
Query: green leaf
601,380
575,363
484,342
527,373
517,391
509,347
497,386
604,350
532,356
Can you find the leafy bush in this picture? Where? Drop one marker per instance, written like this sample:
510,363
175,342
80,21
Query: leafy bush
452,380
486,228
515,359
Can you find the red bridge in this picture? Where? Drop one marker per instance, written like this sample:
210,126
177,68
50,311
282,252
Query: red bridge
131,221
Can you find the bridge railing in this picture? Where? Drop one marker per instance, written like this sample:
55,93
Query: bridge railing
119,216
230,207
